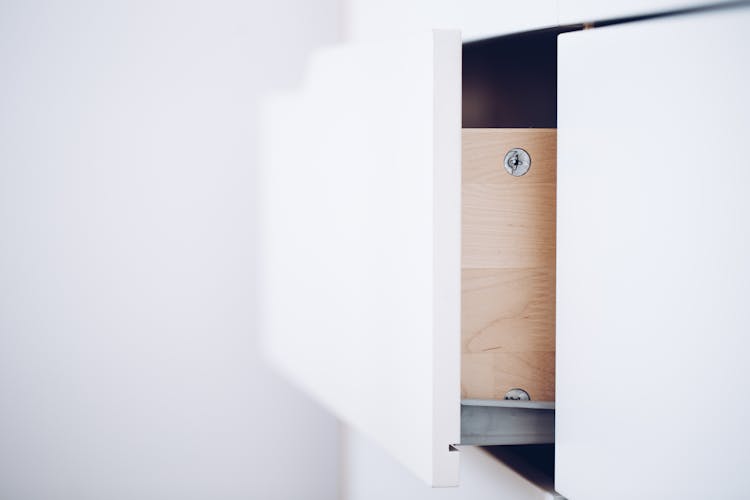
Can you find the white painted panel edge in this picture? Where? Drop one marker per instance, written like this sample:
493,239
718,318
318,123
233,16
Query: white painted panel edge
360,242
447,247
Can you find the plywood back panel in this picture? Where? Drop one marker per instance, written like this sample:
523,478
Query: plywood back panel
508,265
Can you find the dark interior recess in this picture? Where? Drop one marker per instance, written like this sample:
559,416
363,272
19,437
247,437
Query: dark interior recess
535,462
511,81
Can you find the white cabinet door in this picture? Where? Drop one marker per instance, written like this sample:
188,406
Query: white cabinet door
360,200
653,318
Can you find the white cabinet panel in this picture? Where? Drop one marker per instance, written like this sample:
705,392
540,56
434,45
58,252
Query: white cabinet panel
583,11
653,394
369,474
360,185
477,19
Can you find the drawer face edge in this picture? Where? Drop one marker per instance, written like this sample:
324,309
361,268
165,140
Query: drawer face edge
508,265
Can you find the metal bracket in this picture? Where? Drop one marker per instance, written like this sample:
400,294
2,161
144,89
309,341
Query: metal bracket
492,422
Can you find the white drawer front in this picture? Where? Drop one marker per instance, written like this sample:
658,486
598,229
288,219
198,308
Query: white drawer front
653,383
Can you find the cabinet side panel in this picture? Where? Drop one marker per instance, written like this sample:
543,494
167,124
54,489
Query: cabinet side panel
508,265
351,277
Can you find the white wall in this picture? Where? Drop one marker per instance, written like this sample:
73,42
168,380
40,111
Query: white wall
128,359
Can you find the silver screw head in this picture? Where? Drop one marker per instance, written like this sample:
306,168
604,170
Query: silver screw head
517,395
517,162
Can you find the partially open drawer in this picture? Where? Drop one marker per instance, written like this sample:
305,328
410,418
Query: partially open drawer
397,278
508,286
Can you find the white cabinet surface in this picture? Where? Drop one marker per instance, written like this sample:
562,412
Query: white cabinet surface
360,217
369,20
477,19
653,393
586,11
368,473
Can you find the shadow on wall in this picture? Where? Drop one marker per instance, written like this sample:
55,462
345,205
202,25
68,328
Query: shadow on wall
128,358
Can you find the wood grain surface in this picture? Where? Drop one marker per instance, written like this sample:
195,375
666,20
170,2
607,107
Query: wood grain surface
508,265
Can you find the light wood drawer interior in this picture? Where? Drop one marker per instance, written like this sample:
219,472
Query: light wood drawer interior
508,265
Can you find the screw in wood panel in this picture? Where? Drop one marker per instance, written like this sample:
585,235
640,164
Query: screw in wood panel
517,162
517,395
